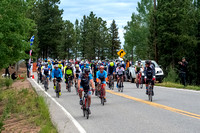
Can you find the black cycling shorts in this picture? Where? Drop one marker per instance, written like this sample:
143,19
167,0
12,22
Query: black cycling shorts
58,79
149,81
67,78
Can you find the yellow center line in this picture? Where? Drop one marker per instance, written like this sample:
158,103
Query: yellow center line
156,104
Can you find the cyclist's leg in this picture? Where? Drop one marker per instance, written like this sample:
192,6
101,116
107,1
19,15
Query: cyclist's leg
104,89
117,79
89,98
80,92
147,85
122,80
66,81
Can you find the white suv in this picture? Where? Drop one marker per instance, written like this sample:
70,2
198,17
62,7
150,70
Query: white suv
158,71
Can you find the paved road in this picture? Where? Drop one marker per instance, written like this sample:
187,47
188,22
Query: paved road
172,111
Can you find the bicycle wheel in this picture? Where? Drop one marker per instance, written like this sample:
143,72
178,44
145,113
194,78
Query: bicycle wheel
112,86
137,84
102,100
150,93
57,90
45,85
83,111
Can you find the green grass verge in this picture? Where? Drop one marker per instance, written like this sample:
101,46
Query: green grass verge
177,85
27,103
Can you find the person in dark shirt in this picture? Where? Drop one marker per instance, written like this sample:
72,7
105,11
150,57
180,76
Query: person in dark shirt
13,76
183,70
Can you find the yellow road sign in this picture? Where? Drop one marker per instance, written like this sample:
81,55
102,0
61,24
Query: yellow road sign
121,53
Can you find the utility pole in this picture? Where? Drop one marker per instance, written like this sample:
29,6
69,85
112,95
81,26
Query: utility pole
155,34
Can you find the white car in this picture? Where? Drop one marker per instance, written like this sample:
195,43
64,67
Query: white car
158,71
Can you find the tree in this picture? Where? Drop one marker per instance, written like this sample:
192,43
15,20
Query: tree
115,42
49,22
77,39
137,32
68,41
14,31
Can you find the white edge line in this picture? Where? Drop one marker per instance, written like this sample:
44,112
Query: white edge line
78,126
177,89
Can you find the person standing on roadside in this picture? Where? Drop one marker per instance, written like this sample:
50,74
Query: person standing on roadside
183,70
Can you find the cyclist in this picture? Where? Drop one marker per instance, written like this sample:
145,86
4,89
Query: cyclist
77,72
101,77
39,69
55,62
120,73
46,72
138,71
50,66
60,65
68,71
84,81
57,76
111,70
149,75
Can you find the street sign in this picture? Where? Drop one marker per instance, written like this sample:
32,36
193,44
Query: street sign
121,53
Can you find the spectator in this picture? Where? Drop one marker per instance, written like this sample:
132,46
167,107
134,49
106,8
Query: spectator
183,70
7,74
13,76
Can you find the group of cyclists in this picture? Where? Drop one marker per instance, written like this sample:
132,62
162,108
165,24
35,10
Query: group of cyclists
90,76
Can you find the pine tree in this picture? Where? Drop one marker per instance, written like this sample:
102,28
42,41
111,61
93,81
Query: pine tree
49,22
115,41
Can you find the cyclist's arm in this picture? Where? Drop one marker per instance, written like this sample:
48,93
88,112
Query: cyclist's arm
91,81
61,73
97,76
79,81
106,76
42,71
145,73
52,75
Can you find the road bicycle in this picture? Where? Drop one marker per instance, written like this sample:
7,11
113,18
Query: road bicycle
139,81
85,106
57,88
101,92
150,91
120,86
111,82
69,84
46,83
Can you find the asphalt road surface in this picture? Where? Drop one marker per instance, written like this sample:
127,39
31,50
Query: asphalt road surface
172,110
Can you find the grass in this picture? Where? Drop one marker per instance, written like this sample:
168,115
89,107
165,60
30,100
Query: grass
27,103
177,85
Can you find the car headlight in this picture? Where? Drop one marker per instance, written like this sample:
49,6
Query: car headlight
159,71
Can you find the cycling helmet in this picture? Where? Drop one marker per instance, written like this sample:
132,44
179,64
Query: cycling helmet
121,65
48,60
56,65
147,62
139,61
77,65
111,64
101,66
86,71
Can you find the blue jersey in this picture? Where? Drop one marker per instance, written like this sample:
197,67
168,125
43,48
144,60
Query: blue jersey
102,76
57,73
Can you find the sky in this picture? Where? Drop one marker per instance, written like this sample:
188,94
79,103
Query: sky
119,10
